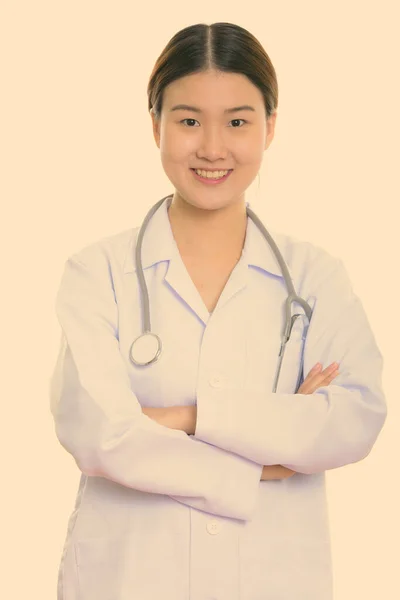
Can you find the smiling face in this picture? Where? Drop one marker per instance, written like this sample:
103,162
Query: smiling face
209,135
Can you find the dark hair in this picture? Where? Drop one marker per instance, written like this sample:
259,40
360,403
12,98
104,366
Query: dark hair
221,46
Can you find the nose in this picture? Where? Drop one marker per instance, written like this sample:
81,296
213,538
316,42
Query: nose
212,145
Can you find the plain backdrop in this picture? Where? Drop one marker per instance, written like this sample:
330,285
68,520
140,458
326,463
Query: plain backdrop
79,162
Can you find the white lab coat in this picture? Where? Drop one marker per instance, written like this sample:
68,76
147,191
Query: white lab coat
160,514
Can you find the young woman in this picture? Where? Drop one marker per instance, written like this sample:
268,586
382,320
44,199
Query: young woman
203,457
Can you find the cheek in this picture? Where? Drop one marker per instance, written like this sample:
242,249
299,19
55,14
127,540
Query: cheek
174,143
253,148
176,149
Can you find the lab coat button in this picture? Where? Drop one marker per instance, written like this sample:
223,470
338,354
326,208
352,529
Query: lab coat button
217,381
213,527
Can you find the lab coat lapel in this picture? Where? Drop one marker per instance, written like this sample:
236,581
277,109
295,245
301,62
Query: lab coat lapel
159,245
256,252
179,279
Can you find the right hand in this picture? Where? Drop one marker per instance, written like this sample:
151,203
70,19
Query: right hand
314,380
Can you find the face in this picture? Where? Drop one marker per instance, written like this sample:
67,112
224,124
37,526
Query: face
208,136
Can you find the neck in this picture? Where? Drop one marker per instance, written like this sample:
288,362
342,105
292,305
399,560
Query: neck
208,233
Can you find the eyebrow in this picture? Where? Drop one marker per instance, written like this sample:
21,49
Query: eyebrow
198,110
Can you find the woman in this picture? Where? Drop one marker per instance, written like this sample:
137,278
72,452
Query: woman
199,482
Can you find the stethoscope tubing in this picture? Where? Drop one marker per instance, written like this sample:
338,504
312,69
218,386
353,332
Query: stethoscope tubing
292,297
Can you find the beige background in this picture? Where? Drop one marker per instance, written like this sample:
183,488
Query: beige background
79,162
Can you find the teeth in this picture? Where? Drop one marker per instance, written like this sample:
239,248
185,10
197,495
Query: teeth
211,174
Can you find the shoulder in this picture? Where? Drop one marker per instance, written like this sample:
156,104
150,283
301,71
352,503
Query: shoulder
110,250
302,253
310,264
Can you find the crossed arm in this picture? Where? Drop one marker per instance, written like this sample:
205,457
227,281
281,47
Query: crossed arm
184,418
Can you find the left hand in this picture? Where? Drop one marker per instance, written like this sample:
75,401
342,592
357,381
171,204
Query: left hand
174,417
159,414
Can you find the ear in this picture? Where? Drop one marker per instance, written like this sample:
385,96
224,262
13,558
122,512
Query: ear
156,128
270,129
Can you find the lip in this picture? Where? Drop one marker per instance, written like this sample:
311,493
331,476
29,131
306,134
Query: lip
212,181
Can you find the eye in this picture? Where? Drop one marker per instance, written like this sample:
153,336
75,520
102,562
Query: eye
244,121
188,120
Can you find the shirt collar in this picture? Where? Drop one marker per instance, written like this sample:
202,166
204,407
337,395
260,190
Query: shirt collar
159,244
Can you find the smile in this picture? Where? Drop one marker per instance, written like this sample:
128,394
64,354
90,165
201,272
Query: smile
211,177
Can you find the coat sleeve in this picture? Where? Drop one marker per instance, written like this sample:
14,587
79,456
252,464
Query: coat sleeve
309,433
99,420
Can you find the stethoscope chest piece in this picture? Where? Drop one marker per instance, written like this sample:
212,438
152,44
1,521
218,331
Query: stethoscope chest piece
145,349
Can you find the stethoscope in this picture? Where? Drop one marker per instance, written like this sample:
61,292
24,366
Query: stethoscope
146,348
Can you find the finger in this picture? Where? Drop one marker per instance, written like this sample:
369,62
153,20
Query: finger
333,375
327,371
312,382
276,472
328,378
311,386
272,472
316,369
319,378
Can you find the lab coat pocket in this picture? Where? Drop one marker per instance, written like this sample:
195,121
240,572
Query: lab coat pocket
100,567
291,373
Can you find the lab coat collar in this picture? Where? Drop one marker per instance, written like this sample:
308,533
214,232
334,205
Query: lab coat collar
159,244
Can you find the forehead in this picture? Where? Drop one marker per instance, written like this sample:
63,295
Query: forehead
213,88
